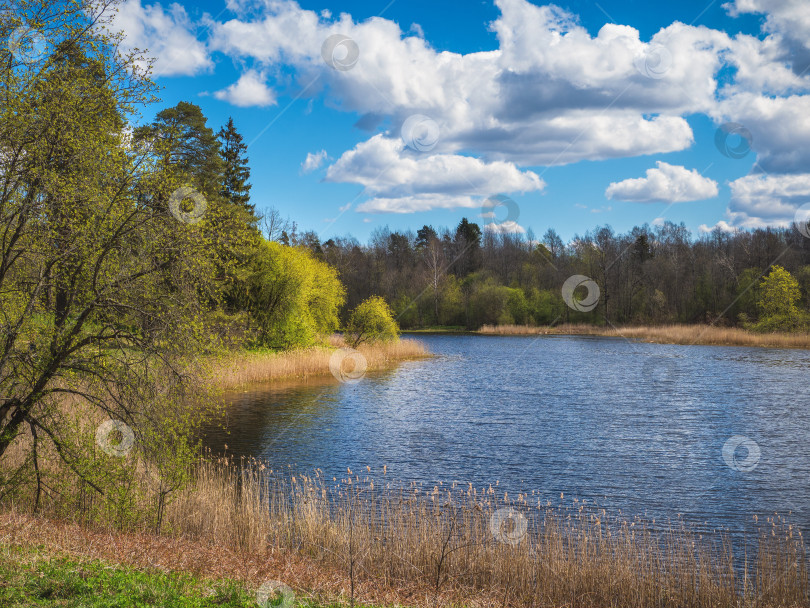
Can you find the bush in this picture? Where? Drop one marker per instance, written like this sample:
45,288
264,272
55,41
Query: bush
371,322
488,304
795,322
518,306
779,295
292,297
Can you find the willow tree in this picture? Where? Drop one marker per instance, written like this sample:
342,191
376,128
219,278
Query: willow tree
103,290
292,297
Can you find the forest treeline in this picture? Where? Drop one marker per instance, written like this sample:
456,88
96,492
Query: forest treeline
285,288
470,277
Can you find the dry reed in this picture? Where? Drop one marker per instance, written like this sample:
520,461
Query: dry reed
359,539
664,334
247,368
447,545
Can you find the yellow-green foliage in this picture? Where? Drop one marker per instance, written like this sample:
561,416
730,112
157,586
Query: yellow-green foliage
779,295
371,322
293,298
103,291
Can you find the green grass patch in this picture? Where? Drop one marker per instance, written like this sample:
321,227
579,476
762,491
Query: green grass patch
30,577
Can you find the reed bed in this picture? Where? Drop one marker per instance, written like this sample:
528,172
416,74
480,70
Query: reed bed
473,546
246,368
663,334
361,538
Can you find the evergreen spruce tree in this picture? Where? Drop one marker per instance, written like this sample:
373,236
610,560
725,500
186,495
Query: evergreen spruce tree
235,186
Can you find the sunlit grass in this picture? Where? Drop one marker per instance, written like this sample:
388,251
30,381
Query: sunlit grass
34,576
249,367
664,334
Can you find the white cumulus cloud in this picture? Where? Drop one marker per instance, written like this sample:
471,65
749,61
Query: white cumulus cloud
767,200
401,180
168,35
666,183
507,227
250,90
722,225
313,161
550,94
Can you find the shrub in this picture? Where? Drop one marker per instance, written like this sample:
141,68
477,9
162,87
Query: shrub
292,297
779,295
371,322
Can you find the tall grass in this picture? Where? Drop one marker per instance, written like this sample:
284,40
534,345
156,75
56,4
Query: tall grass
245,367
458,544
664,334
362,539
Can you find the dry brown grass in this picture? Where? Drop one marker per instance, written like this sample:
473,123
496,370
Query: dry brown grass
351,538
663,334
247,368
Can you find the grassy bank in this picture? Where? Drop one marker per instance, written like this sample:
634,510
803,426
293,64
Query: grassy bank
34,576
249,367
663,334
38,576
450,545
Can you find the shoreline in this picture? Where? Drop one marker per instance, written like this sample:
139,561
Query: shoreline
328,544
706,335
242,368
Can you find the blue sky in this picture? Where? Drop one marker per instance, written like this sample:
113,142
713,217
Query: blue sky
584,113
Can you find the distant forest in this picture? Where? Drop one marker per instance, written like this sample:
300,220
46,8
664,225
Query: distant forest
469,277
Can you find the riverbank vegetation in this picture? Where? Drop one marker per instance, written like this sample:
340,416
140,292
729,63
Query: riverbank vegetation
62,574
359,539
134,269
662,334
131,262
254,366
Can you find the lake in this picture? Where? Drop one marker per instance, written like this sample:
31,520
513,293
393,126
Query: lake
714,434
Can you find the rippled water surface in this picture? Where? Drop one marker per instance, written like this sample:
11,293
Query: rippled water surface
638,428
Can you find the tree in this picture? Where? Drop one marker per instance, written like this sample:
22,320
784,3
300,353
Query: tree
292,297
778,298
183,145
371,322
779,293
554,243
236,172
424,236
187,145
467,243
746,291
432,254
103,293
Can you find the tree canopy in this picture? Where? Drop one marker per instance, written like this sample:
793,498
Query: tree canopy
372,322
293,298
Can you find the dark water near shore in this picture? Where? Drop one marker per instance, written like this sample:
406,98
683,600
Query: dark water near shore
641,429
